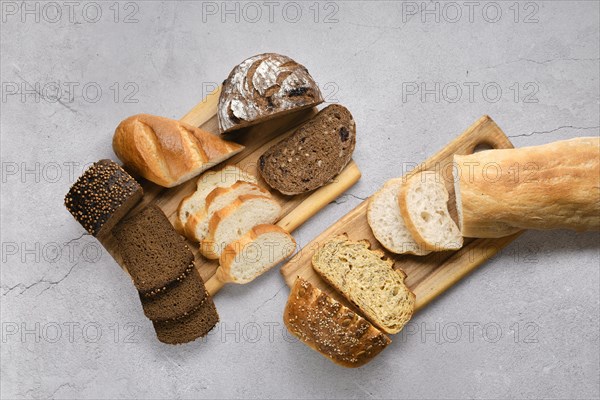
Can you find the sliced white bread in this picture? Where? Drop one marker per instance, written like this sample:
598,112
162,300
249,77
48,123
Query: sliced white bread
261,248
368,280
219,198
230,223
423,202
383,215
195,202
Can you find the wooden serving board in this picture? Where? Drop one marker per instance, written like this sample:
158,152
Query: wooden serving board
427,276
257,139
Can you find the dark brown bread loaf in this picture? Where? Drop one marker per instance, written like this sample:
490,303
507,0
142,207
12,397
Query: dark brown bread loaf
196,325
102,196
313,155
263,87
178,301
154,254
333,330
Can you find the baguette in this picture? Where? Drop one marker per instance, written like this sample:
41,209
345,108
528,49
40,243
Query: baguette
168,152
423,202
325,325
552,186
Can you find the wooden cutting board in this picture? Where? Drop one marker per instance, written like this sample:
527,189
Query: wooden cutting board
427,276
295,209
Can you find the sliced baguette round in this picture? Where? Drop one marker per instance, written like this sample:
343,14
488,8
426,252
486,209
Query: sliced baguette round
423,202
230,223
335,331
383,215
257,251
193,206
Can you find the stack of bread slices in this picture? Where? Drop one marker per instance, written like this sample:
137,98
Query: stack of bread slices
232,218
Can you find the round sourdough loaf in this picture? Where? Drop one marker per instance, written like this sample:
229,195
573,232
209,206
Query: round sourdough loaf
263,87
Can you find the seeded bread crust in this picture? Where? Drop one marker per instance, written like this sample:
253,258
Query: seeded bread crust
190,328
328,327
262,87
154,254
178,301
367,280
313,155
102,196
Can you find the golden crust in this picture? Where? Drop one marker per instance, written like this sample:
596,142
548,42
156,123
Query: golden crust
553,186
168,152
328,327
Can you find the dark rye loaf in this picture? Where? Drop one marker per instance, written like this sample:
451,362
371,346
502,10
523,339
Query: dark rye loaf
154,254
313,155
178,301
190,328
102,196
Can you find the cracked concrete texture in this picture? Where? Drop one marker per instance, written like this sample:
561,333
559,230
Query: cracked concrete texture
526,324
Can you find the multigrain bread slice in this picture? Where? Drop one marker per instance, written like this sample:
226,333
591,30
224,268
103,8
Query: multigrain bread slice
387,224
192,207
102,196
367,280
178,301
218,199
154,254
423,202
313,155
190,328
261,248
328,327
230,223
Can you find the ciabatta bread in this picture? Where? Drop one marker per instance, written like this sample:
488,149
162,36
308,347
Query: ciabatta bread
367,280
423,202
386,222
325,325
193,207
552,186
263,87
230,223
168,152
313,155
219,198
261,248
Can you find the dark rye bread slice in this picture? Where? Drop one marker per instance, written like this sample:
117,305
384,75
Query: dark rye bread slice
177,301
313,155
102,196
190,328
153,252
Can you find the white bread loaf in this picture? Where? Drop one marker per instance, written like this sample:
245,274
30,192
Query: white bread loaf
423,202
168,152
219,198
552,186
261,248
383,215
230,223
192,207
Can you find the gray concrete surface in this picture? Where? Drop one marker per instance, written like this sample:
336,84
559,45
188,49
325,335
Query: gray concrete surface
525,325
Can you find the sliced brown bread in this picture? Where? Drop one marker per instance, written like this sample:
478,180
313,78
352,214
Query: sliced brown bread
102,196
177,301
190,328
367,280
154,254
313,155
328,327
